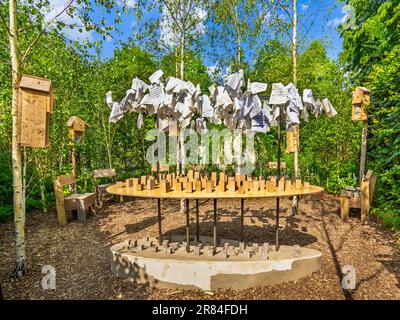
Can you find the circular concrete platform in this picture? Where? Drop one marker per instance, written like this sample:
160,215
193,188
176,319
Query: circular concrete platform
232,266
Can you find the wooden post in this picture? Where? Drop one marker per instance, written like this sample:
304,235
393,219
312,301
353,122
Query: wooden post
58,192
159,220
344,208
73,159
363,158
365,201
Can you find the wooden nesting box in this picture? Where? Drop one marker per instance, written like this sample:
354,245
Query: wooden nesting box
298,184
35,103
232,185
77,128
274,165
143,180
361,100
209,186
139,187
281,184
290,140
222,185
197,185
256,185
189,187
288,185
214,178
151,184
165,186
271,186
164,167
129,183
178,186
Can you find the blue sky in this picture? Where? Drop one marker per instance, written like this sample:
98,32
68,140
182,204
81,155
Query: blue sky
326,18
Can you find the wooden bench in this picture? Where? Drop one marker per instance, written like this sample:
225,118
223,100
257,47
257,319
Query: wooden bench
100,189
74,201
359,198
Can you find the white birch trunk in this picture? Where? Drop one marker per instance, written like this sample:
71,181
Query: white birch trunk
19,215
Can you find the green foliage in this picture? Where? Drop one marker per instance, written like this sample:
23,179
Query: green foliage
372,58
329,146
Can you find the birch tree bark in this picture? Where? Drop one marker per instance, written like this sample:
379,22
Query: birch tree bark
19,214
296,128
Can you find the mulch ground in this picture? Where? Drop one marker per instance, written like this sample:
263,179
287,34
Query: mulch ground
80,252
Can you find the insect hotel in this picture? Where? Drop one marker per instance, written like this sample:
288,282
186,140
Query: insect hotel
361,101
35,103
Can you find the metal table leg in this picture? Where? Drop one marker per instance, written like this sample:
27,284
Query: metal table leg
159,220
187,227
277,224
215,225
241,219
197,222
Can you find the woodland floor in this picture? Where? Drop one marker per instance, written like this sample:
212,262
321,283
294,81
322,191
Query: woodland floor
80,252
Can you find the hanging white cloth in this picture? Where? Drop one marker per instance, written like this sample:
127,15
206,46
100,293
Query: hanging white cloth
279,94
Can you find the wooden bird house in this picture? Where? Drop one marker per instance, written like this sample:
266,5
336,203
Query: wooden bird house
35,103
77,128
361,101
290,140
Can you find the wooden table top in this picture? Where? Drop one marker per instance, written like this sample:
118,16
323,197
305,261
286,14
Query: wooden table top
216,194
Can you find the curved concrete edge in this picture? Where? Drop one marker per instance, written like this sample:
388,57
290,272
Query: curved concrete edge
210,275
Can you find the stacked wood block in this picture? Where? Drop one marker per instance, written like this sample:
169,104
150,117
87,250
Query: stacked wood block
256,185
151,184
221,185
165,186
288,185
231,184
298,184
214,178
197,185
209,186
189,187
262,185
281,184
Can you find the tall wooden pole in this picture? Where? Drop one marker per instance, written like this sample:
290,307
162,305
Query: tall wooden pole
296,128
19,214
363,158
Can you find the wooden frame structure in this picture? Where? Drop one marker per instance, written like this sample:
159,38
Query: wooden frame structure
73,202
359,198
100,189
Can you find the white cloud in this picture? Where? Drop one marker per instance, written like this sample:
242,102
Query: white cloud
130,3
305,7
347,20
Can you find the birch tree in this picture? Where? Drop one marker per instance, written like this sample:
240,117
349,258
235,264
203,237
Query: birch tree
237,24
290,28
40,11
